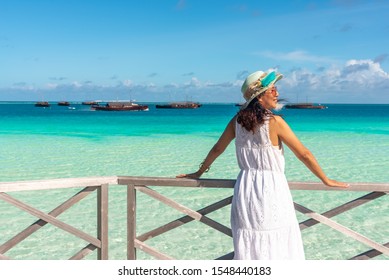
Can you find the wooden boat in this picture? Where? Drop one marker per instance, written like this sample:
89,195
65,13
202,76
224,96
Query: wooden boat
305,106
63,103
179,105
42,104
120,106
90,103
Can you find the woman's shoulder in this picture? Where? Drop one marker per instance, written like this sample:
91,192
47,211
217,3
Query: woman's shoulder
275,119
233,120
278,123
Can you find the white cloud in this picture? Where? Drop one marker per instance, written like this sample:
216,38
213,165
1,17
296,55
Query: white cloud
77,84
365,73
51,86
354,75
193,83
127,83
296,56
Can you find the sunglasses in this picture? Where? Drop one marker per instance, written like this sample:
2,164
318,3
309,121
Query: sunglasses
272,90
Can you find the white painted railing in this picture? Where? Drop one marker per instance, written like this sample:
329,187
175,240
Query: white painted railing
142,184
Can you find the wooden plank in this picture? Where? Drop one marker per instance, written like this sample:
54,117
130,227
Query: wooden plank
342,229
183,220
176,182
229,183
151,251
56,183
343,208
40,223
102,221
170,202
365,187
195,215
3,257
50,219
84,252
369,254
131,222
216,225
163,181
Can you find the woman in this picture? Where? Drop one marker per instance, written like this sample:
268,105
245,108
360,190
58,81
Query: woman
263,220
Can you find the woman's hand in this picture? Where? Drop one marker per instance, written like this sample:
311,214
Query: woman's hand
336,184
195,175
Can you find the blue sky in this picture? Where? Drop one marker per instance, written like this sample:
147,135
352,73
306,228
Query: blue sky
330,51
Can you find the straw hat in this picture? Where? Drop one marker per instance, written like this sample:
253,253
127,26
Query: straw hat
256,83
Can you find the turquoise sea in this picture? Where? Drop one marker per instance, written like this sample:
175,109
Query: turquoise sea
351,142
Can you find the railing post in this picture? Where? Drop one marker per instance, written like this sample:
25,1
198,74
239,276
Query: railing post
131,222
102,221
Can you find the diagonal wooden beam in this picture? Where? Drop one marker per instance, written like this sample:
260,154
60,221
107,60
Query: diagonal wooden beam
343,208
342,229
186,219
369,254
83,252
50,219
193,214
40,223
3,257
151,251
169,202
216,225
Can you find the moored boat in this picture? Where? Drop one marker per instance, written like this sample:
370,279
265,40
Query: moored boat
90,103
120,106
63,103
179,105
305,106
42,104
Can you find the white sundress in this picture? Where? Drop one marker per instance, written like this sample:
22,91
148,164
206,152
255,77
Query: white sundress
263,220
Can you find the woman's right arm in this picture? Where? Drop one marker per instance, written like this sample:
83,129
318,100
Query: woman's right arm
225,139
287,136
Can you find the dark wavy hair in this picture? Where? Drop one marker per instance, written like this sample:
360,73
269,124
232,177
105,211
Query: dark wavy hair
253,115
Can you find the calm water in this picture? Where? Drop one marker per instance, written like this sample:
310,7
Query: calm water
351,142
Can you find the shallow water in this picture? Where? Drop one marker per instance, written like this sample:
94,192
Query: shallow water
349,141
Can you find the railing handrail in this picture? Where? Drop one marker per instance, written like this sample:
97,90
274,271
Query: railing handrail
229,183
173,182
56,183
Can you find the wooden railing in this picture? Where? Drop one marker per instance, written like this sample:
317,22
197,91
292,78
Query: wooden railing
100,185
135,241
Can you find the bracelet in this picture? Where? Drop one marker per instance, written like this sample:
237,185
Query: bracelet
201,166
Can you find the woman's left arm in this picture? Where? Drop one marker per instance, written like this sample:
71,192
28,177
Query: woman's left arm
302,153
